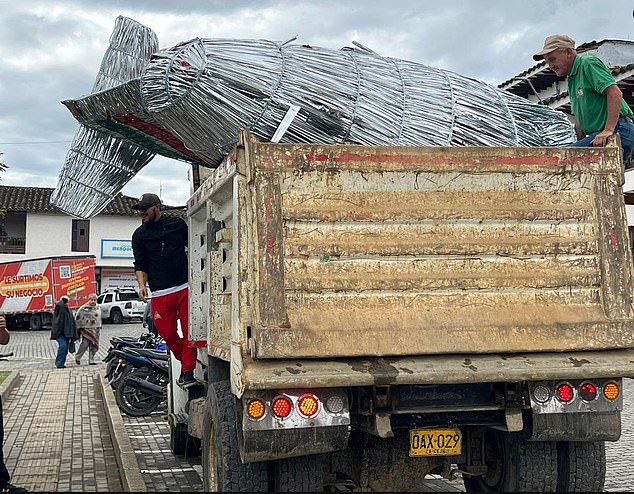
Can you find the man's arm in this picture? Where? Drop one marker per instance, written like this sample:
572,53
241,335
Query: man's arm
614,97
141,279
4,333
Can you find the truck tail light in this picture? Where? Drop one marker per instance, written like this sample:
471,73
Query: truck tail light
335,404
541,393
611,391
565,392
256,409
308,405
281,407
588,391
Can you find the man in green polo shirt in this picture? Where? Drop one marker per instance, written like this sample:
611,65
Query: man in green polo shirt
595,99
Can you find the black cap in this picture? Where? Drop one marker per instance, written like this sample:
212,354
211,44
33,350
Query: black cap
146,201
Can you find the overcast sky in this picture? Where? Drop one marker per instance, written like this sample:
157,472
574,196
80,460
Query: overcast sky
51,50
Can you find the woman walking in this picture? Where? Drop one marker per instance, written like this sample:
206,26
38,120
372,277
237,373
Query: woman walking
89,324
64,330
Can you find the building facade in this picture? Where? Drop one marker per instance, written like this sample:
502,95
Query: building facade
31,228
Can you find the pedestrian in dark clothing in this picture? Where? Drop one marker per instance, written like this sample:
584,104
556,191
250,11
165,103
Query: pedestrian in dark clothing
160,261
64,330
5,485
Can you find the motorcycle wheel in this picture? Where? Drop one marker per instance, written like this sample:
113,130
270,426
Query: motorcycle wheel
132,400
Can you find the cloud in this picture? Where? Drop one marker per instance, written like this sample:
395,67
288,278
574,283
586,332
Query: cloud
51,50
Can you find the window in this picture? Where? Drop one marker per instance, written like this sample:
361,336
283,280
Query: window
13,232
80,234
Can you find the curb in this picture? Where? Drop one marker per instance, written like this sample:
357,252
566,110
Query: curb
8,384
131,477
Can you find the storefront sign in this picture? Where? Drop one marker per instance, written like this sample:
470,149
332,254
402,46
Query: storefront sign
121,249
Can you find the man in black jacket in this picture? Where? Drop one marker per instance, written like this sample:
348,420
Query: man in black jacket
63,330
160,261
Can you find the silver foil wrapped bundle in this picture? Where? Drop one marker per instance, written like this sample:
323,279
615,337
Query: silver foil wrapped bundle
192,100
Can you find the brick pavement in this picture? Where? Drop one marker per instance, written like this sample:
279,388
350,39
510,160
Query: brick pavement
161,469
56,433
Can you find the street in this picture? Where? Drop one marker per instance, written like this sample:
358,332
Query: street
34,354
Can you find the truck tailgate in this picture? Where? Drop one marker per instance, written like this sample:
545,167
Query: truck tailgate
374,251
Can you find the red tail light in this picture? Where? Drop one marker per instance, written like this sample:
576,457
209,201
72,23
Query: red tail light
308,405
565,392
281,407
588,391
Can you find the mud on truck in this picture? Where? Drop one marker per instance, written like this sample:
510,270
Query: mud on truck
381,313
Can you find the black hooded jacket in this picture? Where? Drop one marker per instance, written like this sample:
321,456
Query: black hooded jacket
160,250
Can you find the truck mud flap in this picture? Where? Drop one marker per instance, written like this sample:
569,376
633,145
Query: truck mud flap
287,443
577,426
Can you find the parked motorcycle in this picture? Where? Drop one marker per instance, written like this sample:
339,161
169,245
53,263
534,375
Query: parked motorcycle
142,385
115,366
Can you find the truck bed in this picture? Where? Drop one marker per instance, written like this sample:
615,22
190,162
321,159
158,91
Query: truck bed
357,251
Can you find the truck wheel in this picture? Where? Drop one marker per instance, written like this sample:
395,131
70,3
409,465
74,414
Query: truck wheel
581,466
515,465
116,317
299,474
181,443
35,322
223,470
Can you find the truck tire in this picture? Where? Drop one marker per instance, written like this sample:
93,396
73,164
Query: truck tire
581,466
515,465
181,443
223,470
115,316
299,474
35,322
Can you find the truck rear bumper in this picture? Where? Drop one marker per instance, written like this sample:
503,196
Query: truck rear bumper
445,369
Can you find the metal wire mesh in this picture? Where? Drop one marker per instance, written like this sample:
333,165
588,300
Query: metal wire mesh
206,90
195,98
99,163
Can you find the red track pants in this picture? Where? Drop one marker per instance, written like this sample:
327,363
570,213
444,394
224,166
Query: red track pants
166,310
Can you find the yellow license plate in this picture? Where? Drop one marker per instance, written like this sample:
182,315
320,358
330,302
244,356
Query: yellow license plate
435,442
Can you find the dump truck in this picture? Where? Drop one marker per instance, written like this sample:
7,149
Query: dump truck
30,288
376,314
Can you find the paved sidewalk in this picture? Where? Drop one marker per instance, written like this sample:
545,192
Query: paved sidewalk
56,433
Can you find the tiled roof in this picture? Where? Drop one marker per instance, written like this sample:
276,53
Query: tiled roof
37,200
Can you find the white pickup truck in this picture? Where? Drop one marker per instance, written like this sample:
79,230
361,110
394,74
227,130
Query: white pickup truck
119,306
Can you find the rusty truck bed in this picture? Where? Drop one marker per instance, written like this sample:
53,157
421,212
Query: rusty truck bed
357,251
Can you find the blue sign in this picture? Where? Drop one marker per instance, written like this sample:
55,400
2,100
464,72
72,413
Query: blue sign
120,249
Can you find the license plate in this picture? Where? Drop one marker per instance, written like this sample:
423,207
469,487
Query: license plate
435,442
